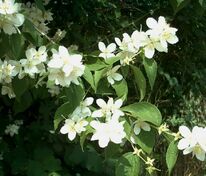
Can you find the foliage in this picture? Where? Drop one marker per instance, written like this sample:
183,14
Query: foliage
36,101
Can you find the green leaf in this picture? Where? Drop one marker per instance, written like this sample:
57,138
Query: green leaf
89,77
121,89
95,64
73,95
16,42
62,112
144,111
23,104
20,86
179,4
112,150
40,5
140,81
171,156
146,140
99,75
128,165
150,66
84,135
128,129
46,158
35,169
112,60
4,43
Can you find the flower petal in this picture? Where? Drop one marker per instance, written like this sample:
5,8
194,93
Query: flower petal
149,52
97,113
71,135
151,23
184,131
101,103
137,129
117,76
183,144
101,46
64,129
111,47
145,126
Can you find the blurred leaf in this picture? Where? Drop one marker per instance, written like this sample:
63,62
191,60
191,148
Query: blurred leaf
40,5
16,42
112,60
146,140
95,64
24,103
89,77
128,165
99,75
73,95
121,89
35,169
20,86
179,4
150,66
140,81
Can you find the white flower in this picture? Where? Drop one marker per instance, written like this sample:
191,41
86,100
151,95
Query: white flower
128,43
10,19
7,72
141,125
188,140
7,90
9,7
29,66
38,56
162,30
109,110
83,110
12,129
109,131
73,127
112,76
106,52
126,57
38,18
150,44
18,122
202,139
197,151
65,68
122,44
54,90
193,141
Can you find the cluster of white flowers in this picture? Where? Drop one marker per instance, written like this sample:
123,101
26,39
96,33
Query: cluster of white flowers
62,70
77,122
34,62
107,126
111,129
156,37
10,18
39,18
7,72
13,129
193,141
64,67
